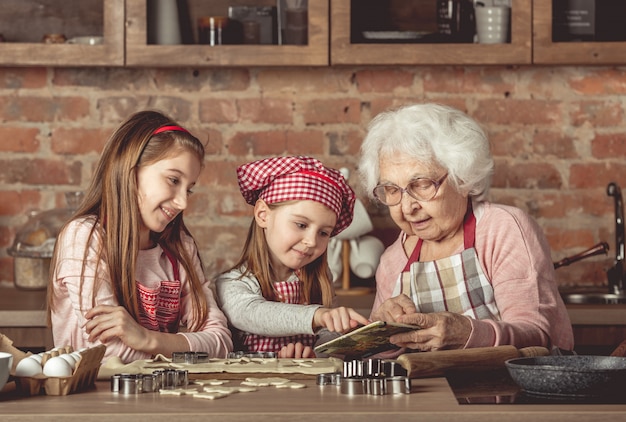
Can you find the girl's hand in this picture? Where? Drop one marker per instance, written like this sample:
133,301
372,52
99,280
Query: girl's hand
339,319
106,323
440,330
393,308
296,350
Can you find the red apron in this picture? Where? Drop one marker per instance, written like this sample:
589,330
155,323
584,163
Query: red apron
454,284
287,292
159,308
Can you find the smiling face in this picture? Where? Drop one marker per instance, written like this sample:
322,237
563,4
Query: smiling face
297,233
163,190
434,220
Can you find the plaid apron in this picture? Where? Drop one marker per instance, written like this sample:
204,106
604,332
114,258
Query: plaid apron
287,292
454,284
159,307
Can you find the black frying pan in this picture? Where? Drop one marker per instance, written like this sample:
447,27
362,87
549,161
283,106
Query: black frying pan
575,375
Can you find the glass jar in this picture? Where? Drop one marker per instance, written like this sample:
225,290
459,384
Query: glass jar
34,244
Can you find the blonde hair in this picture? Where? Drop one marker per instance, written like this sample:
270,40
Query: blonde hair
255,258
112,201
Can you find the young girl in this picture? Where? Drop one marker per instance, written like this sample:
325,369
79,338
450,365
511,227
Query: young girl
125,270
280,292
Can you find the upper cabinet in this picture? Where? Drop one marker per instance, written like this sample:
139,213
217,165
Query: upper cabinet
301,33
62,33
598,35
359,35
204,21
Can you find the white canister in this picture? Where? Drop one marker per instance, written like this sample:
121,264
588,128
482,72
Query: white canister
164,27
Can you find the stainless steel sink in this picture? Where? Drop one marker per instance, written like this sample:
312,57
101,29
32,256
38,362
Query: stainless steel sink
594,298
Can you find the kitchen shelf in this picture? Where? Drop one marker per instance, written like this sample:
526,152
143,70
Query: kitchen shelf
110,53
545,51
518,51
140,53
124,28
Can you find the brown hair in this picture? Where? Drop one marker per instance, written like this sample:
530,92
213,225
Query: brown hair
111,200
255,257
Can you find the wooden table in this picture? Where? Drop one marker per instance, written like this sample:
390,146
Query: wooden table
430,400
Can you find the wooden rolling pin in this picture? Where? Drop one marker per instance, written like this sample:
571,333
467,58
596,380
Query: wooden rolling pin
430,364
620,350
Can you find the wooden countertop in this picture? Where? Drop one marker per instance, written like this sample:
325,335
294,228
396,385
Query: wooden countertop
431,399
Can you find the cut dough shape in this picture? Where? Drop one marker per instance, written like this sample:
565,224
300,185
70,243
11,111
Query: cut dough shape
209,382
256,383
290,385
177,391
210,396
264,382
228,390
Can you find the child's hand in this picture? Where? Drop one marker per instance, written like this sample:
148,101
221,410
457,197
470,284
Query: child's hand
339,319
296,350
106,323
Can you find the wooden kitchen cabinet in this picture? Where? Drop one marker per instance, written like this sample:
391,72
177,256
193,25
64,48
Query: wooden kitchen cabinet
598,329
124,27
599,340
518,51
23,318
34,52
545,51
140,53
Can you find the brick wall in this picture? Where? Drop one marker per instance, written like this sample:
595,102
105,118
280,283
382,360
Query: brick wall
558,135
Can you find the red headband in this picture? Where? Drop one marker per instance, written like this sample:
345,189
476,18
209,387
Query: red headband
168,128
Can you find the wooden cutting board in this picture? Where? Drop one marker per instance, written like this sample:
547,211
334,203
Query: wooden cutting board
437,363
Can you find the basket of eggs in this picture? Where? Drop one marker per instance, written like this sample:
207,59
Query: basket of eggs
57,372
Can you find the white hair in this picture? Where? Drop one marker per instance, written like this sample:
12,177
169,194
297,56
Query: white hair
430,134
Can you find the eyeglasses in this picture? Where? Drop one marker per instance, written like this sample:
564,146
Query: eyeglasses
422,189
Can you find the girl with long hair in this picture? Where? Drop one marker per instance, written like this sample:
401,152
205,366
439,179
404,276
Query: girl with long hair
279,296
125,270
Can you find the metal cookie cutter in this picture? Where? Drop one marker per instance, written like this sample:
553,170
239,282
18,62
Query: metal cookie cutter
375,377
190,357
133,383
257,355
329,378
171,378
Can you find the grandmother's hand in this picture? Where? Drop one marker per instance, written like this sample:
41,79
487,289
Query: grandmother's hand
440,330
393,308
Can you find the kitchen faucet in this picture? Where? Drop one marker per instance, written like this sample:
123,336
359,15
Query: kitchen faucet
615,274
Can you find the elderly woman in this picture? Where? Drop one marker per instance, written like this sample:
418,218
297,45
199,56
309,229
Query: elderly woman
469,272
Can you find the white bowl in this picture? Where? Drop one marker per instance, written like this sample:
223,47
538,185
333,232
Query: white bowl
6,362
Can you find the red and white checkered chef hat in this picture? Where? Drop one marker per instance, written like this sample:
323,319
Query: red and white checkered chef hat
280,179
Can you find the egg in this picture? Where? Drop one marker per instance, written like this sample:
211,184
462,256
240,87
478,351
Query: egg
36,357
77,356
57,367
28,367
69,359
